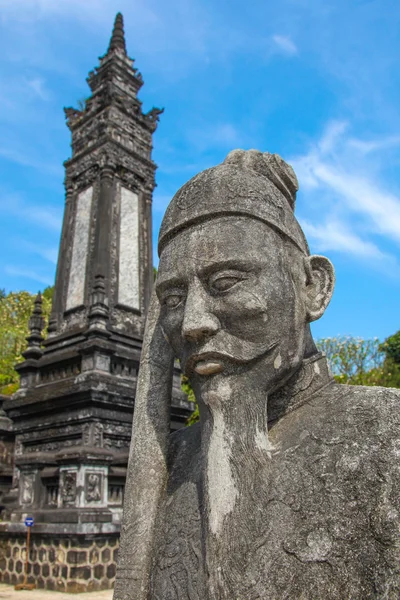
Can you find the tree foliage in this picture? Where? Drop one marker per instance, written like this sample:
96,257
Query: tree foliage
15,310
391,347
355,361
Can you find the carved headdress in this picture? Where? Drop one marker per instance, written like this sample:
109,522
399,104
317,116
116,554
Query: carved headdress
248,183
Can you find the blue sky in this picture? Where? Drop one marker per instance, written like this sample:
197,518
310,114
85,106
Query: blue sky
316,81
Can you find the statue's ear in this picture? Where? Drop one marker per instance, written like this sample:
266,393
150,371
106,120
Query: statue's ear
319,285
147,466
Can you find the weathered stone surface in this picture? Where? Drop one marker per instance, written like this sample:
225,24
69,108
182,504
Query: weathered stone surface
289,486
80,243
52,569
128,277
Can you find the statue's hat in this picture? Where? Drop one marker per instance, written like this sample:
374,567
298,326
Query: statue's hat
248,183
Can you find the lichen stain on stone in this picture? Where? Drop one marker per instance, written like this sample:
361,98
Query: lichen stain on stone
278,361
263,443
222,491
319,544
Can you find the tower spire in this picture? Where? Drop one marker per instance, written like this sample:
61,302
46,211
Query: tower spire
117,41
36,324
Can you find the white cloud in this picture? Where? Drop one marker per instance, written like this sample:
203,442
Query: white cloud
219,135
285,44
29,273
45,217
336,236
356,213
368,146
49,253
21,158
38,85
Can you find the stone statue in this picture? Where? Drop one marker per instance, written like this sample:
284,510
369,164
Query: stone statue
288,487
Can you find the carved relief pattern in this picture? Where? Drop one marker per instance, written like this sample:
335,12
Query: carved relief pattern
92,434
52,494
178,571
6,453
52,432
125,368
18,448
59,373
52,446
116,494
93,487
68,488
117,443
27,490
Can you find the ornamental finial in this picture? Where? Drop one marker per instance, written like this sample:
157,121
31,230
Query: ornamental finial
117,41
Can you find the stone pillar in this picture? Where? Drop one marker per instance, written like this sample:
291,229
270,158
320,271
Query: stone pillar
60,283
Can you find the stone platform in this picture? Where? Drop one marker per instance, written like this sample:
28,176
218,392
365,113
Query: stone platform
7,592
60,563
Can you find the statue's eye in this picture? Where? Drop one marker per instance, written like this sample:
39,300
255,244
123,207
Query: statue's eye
172,301
222,284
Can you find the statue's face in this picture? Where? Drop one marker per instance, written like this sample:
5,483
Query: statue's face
232,293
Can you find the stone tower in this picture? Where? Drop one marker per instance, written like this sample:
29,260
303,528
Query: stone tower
72,415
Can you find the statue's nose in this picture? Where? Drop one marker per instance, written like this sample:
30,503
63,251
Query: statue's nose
198,322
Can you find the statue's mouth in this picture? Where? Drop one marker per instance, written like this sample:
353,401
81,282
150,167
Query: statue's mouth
213,362
206,363
208,367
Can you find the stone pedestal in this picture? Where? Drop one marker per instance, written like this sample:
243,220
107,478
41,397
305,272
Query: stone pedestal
58,562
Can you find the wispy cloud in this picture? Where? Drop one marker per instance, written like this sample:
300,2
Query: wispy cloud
28,273
38,85
220,135
46,217
285,44
22,158
357,214
49,253
336,236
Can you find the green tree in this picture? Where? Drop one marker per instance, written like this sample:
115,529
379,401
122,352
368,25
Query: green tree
187,388
353,360
391,347
15,310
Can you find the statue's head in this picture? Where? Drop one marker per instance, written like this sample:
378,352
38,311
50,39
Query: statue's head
236,282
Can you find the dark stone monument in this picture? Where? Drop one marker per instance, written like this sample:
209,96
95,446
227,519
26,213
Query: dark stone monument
289,486
73,412
6,452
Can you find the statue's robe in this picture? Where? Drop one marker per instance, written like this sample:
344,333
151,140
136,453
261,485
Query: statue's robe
327,521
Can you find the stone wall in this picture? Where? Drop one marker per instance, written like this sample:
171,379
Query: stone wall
65,564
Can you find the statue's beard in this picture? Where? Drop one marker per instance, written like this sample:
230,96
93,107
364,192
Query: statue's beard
223,350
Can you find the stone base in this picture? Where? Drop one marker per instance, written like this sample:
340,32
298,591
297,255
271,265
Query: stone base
66,564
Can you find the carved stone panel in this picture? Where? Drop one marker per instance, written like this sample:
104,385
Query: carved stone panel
68,488
128,277
93,488
76,286
27,491
92,434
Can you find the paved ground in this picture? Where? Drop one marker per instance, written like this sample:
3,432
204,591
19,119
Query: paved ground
7,592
